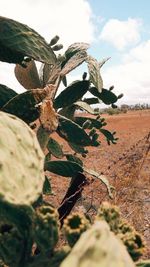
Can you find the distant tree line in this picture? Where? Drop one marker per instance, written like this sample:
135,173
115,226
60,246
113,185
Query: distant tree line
135,106
123,108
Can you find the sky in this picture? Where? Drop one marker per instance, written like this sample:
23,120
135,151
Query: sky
113,28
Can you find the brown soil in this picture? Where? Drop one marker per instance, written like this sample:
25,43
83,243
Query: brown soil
127,166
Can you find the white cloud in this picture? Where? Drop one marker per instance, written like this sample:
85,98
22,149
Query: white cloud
121,34
69,19
140,53
132,76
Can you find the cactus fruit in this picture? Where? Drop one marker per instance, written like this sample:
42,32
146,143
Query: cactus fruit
120,96
84,76
74,225
111,87
46,228
92,131
143,263
110,214
54,40
57,47
98,246
12,245
21,162
131,238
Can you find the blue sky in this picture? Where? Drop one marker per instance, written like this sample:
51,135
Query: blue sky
103,11
121,9
116,29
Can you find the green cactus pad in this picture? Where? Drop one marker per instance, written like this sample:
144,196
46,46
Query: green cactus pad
18,40
98,246
5,94
12,245
94,71
21,162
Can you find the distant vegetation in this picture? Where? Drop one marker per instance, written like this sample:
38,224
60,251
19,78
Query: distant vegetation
122,109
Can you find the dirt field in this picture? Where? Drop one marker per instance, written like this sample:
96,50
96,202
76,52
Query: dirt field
127,164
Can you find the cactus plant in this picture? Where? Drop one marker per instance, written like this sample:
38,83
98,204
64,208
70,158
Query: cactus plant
98,246
18,40
144,263
56,112
110,214
46,228
29,226
12,245
74,225
21,162
131,239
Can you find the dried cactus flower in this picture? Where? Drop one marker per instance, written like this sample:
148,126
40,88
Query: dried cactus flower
74,225
12,245
46,228
48,116
98,246
21,162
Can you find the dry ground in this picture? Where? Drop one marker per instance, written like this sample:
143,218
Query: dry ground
127,164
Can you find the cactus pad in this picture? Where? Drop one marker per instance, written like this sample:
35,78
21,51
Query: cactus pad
111,214
12,246
129,236
98,246
21,162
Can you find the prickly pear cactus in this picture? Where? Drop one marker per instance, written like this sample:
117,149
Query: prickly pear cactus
129,236
21,162
143,263
132,240
46,228
110,214
12,244
74,225
98,246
